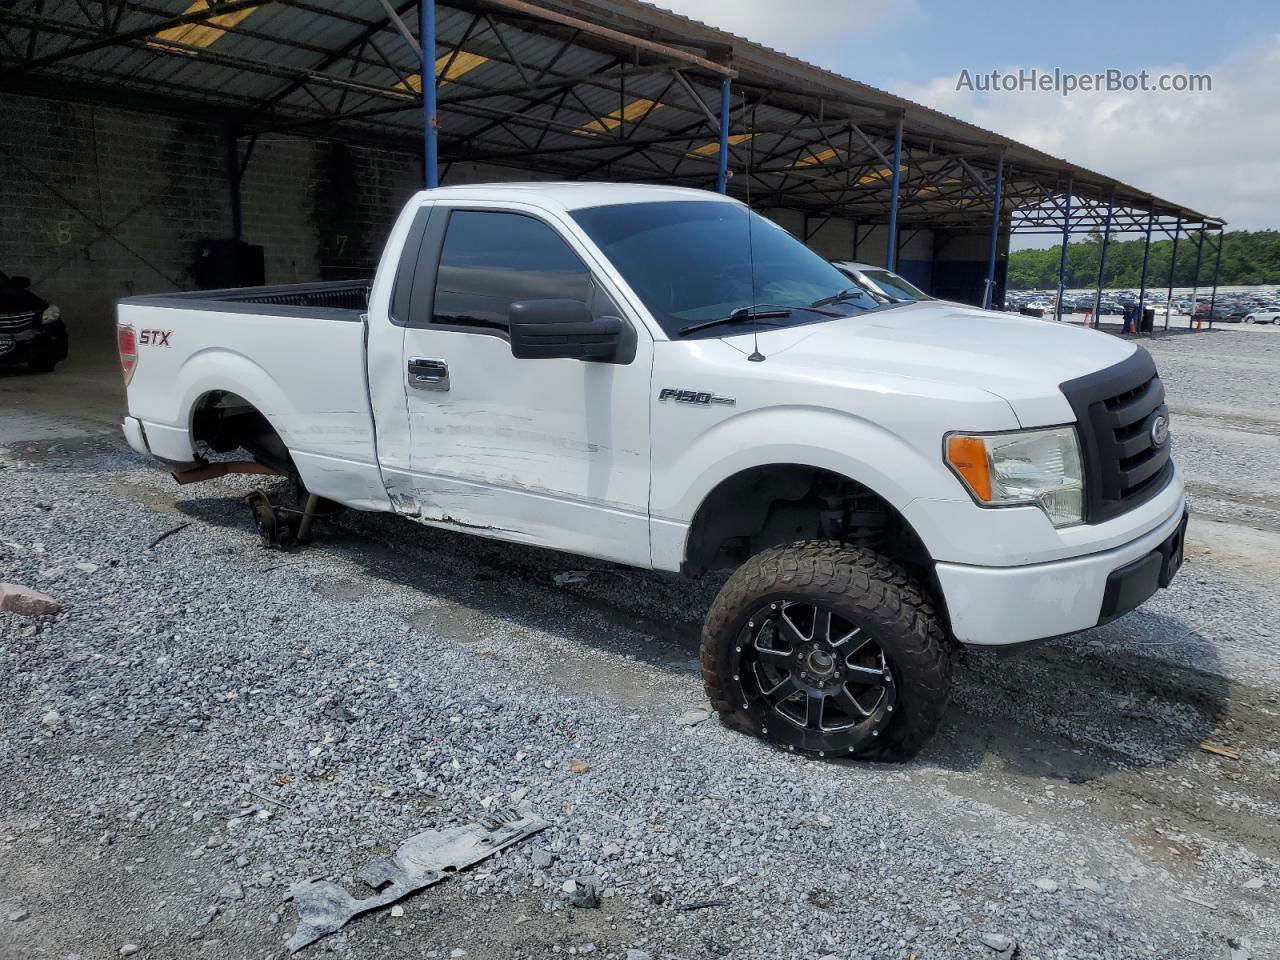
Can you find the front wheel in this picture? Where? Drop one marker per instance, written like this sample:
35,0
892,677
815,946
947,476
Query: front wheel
828,650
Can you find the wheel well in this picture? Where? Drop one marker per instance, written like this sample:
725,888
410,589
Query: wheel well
223,421
772,505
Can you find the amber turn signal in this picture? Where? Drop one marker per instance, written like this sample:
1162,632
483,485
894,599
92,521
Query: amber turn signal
968,457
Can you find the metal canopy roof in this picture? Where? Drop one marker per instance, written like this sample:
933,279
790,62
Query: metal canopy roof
583,89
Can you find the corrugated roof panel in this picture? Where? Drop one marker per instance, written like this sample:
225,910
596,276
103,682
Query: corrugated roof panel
260,52
204,33
712,149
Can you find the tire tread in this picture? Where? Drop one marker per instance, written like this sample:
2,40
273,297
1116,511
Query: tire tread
891,598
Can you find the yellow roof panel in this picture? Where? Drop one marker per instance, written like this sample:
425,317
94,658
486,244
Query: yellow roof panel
712,148
822,156
611,121
206,32
446,72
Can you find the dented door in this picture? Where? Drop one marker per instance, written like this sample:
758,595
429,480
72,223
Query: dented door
551,452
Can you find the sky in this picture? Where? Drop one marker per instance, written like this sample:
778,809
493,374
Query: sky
1217,151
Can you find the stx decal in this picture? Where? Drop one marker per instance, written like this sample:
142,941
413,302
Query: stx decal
693,396
156,338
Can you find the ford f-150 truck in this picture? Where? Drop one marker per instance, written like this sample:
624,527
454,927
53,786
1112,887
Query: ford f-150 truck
660,378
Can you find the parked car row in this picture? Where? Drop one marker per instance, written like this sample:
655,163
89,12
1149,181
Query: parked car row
1224,307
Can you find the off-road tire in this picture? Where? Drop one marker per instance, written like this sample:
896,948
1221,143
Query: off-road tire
862,588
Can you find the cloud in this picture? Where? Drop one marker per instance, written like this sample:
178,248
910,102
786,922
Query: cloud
1217,152
821,34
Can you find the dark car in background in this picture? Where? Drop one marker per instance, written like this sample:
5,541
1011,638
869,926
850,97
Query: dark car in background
31,329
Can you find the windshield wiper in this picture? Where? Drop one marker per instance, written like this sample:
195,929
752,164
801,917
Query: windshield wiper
848,293
742,313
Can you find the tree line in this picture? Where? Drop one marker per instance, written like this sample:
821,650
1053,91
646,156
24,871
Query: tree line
1248,257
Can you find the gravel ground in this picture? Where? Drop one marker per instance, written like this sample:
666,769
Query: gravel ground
1224,401
206,723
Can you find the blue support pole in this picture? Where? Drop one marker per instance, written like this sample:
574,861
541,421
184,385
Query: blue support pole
427,10
1217,263
1146,258
1173,268
1102,263
1195,277
891,257
995,235
1062,261
722,174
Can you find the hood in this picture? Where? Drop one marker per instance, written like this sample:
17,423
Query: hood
1020,359
17,300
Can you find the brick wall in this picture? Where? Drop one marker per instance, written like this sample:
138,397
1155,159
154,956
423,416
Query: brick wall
98,203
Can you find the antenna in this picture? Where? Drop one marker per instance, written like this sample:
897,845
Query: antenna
756,355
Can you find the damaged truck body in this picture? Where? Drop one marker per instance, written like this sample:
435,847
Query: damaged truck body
658,377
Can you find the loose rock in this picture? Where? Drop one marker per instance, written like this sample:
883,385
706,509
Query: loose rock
27,602
999,942
691,718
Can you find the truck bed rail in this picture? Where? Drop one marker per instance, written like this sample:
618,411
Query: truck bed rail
336,300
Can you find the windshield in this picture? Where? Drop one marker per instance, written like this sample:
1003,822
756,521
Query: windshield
690,262
894,287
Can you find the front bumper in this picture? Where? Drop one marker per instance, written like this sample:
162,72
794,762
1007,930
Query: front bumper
999,606
39,342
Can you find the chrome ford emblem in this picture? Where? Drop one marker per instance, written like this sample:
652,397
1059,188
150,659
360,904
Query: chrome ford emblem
1160,431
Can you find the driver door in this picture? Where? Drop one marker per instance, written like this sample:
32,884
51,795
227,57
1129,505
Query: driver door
552,452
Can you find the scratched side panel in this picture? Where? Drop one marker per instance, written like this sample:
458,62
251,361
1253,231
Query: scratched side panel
552,452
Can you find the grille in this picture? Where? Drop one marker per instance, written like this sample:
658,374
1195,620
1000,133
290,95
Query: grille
1115,409
16,321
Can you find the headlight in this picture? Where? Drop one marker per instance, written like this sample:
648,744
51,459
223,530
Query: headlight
1040,467
51,314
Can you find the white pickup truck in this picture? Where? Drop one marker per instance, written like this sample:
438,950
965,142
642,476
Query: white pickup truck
657,377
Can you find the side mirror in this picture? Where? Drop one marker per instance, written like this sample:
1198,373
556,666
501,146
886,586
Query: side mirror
547,329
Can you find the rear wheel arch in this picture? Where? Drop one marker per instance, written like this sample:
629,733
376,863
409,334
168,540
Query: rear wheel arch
223,420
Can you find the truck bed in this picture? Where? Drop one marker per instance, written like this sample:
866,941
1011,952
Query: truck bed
294,352
335,300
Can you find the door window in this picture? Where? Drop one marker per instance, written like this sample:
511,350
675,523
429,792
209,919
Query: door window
491,259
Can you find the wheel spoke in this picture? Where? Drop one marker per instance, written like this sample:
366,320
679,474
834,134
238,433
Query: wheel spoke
821,624
840,642
788,630
846,700
853,644
864,676
783,689
813,712
774,658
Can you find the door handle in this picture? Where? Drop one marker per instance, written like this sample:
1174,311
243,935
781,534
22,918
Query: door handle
426,373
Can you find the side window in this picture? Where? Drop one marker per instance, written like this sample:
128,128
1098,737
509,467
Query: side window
490,260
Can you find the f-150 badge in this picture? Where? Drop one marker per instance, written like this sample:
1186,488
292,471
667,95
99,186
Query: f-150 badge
693,396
